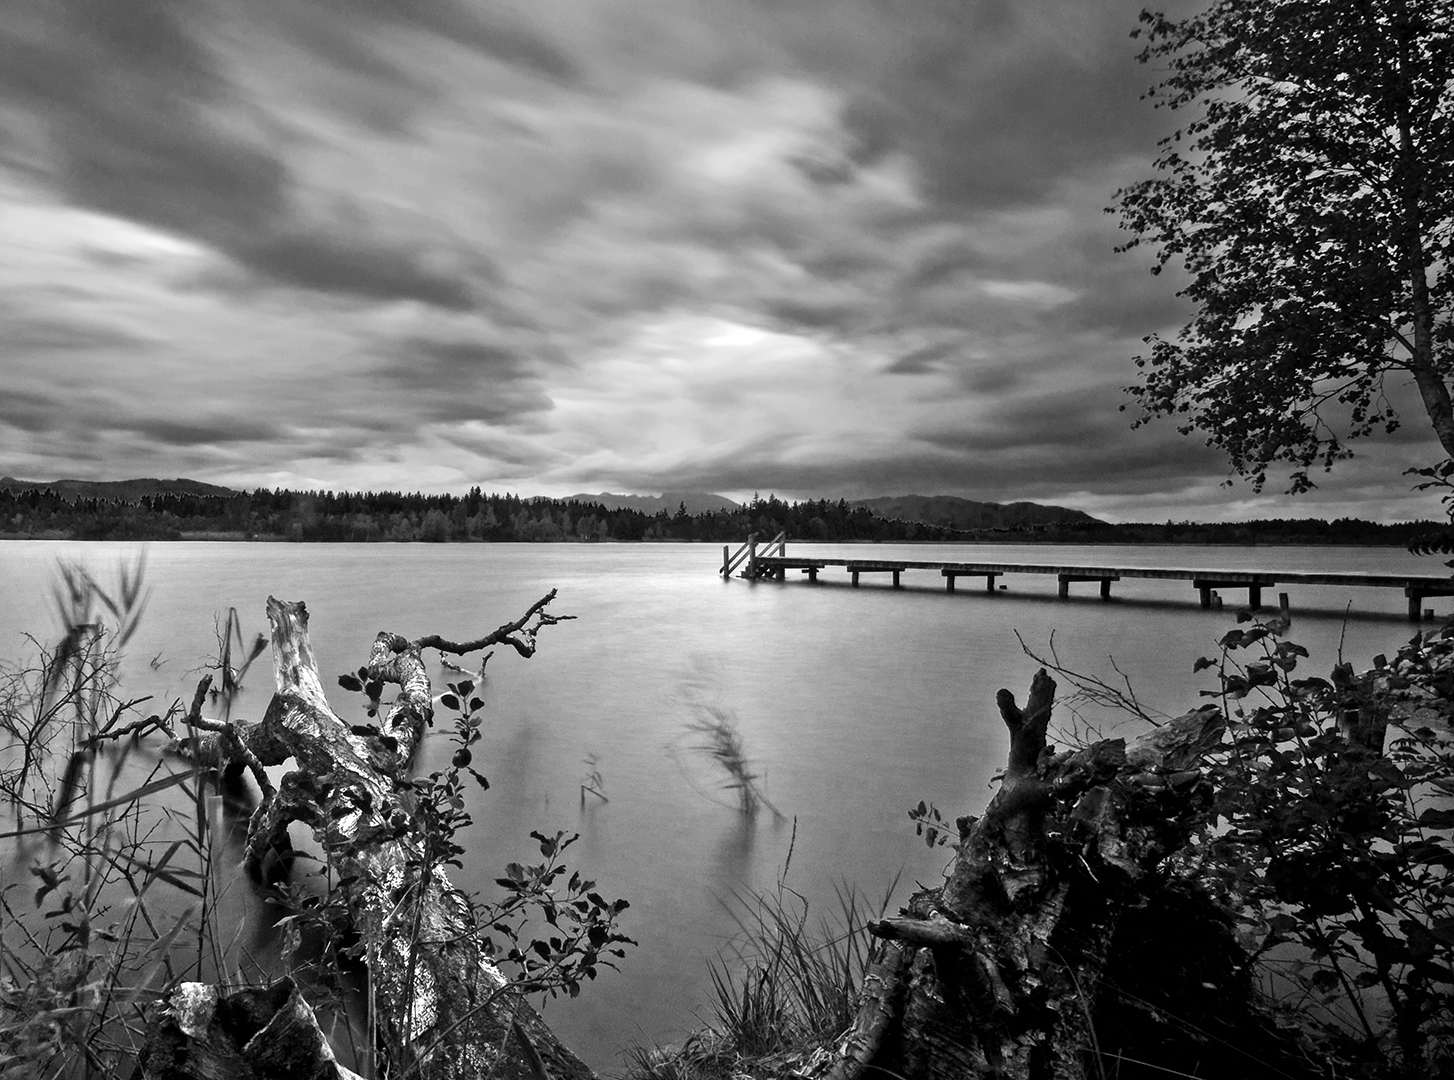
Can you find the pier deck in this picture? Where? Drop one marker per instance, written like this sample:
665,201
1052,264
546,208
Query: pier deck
1415,588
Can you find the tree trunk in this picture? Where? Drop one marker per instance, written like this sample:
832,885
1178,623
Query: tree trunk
440,1007
1056,950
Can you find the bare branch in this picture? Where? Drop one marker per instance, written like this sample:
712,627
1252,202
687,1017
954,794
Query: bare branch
502,636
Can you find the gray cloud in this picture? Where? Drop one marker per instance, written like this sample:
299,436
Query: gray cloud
353,266
814,246
463,381
213,430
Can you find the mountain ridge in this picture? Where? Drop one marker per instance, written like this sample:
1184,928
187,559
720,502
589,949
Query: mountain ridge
957,513
128,490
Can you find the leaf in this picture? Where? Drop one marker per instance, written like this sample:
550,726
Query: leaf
348,682
1437,819
449,701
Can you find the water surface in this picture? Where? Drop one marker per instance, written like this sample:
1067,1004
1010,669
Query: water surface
854,703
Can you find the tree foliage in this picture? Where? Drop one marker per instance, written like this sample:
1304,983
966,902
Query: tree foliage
1334,835
1309,196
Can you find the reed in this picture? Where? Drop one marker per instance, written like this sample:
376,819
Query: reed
782,989
719,737
122,896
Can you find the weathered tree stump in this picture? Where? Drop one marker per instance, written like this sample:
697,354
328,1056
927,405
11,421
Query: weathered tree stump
440,1007
1055,949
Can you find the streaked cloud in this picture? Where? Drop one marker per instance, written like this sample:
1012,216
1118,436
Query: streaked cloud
813,247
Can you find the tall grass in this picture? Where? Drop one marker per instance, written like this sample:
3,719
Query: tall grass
112,893
782,990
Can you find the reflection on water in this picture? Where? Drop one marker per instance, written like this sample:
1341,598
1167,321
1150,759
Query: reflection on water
851,705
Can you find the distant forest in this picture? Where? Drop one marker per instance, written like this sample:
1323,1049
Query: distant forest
326,516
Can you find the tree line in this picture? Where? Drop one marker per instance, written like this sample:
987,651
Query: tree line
393,516
327,516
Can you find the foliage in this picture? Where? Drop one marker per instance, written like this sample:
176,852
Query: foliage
122,899
1310,198
583,935
1334,842
125,892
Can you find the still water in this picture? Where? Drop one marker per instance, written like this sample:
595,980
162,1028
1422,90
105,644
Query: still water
853,704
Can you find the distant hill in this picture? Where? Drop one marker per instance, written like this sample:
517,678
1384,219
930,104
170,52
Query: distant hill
967,514
697,502
126,490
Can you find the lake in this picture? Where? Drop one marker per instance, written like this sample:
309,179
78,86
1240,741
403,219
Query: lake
854,704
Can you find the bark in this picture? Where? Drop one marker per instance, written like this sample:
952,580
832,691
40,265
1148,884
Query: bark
268,1033
440,1007
1055,949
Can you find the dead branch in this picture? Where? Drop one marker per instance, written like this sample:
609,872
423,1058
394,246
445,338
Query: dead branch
441,1005
502,636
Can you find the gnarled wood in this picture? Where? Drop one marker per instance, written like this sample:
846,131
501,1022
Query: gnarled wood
440,1006
1003,971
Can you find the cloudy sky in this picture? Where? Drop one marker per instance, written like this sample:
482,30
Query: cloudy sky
813,247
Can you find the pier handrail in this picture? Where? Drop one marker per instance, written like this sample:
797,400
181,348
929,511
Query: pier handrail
749,552
780,541
731,563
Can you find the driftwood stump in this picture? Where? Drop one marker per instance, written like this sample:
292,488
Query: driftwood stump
1056,949
440,1006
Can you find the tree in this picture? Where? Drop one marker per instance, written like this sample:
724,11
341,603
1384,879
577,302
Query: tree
1310,199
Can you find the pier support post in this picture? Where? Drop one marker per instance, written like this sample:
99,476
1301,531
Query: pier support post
1205,592
1105,588
896,579
948,582
1064,587
1254,596
855,578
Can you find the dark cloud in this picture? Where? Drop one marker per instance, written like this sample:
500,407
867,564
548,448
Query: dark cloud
23,334
486,28
29,412
994,111
453,381
502,447
130,101
353,266
923,360
214,430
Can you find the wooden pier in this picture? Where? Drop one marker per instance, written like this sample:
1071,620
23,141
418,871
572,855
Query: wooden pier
771,560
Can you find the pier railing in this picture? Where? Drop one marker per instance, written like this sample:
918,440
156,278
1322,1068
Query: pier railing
748,553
